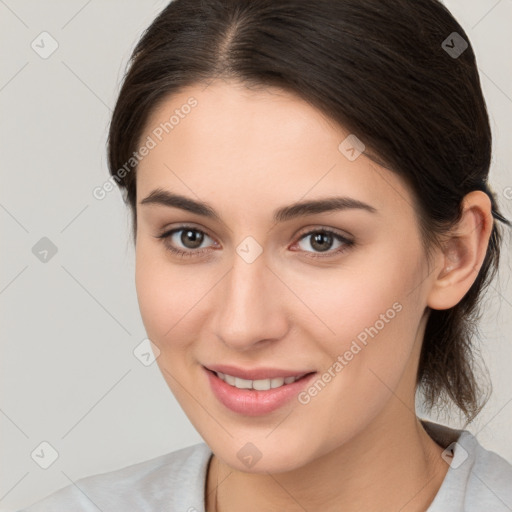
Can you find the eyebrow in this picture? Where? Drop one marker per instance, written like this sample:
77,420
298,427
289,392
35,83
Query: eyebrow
163,197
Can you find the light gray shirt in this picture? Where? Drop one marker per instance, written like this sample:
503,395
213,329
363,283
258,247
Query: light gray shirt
478,480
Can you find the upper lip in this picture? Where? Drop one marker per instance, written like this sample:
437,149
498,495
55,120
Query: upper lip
255,373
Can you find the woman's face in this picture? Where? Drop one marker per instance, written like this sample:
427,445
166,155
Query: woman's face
275,294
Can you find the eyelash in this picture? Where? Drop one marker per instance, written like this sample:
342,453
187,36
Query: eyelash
196,252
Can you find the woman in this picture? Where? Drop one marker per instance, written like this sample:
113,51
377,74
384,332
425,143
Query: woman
313,229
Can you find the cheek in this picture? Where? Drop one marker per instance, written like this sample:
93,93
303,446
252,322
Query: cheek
365,313
374,324
171,296
343,302
161,291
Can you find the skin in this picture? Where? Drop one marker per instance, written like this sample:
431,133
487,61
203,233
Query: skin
358,444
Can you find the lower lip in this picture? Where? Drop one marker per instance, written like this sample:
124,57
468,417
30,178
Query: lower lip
251,402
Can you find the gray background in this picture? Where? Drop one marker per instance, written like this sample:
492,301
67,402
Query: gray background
69,325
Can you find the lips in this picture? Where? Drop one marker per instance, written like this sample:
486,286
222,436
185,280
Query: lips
254,402
257,373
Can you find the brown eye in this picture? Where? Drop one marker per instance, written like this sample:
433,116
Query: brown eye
188,237
191,238
322,240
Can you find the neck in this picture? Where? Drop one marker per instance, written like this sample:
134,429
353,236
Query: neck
389,466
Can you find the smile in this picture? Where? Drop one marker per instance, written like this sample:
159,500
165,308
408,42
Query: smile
259,385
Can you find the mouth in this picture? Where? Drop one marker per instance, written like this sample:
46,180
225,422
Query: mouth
257,396
258,384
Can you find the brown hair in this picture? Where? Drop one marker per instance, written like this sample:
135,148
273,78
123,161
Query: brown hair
393,73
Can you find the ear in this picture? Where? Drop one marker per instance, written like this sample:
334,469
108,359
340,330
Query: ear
463,252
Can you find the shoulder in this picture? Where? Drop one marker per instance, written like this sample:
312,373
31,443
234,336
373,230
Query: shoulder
477,479
490,482
176,478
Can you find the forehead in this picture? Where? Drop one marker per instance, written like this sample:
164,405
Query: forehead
226,139
231,115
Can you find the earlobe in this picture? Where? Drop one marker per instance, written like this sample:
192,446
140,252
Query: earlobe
463,253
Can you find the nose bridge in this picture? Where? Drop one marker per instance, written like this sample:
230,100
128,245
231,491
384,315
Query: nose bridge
249,309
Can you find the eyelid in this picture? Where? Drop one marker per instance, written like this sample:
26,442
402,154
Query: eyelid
318,227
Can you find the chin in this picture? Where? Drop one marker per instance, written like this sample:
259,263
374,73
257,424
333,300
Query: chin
262,454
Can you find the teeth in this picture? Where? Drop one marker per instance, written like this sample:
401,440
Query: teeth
242,383
229,379
259,385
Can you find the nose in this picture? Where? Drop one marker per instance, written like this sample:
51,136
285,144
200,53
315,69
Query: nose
251,306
